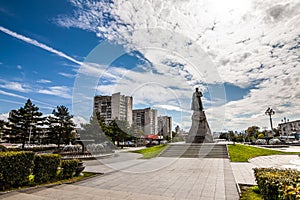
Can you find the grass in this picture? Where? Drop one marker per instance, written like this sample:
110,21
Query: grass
151,152
250,193
242,153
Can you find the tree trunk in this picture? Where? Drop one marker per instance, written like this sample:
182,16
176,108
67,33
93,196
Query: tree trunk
58,141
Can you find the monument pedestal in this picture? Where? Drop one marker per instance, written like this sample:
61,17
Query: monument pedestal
200,131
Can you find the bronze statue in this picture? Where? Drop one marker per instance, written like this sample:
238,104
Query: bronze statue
196,101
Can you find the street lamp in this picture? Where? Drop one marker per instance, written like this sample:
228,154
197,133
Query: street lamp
270,112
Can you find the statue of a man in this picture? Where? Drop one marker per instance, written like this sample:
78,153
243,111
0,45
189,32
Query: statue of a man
196,101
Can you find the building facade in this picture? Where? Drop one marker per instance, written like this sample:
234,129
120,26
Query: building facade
145,120
165,126
290,128
112,107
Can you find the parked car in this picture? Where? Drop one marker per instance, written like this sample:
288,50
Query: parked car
261,141
275,141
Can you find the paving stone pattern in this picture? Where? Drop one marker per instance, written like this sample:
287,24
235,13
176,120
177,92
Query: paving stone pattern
158,178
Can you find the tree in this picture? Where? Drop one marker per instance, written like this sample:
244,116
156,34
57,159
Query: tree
136,133
119,131
24,122
252,132
224,136
260,136
93,130
61,126
3,125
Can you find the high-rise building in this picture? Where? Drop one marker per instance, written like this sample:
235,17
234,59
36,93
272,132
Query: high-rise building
112,107
165,126
145,120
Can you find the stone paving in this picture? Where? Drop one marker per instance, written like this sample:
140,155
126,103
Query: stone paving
126,177
184,178
243,172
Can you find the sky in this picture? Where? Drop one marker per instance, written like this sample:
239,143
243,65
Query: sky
243,55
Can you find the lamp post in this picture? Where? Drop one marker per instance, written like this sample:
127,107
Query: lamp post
270,112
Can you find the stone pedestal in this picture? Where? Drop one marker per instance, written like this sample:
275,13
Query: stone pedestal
200,131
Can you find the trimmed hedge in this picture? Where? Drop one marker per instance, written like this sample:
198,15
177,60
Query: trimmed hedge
3,148
34,149
28,168
278,183
68,168
15,168
45,167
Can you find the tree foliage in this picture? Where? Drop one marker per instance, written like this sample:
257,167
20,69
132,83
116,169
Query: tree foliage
119,131
93,130
24,122
61,126
252,131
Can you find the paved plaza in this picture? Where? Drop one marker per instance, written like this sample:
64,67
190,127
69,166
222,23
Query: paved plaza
125,176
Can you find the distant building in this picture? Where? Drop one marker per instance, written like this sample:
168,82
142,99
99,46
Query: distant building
112,107
291,128
165,126
145,120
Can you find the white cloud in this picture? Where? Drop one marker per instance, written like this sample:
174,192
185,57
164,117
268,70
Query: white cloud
43,81
12,94
67,75
169,107
253,43
60,91
38,44
14,86
78,121
4,116
41,104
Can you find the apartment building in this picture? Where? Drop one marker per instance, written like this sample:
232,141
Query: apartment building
112,107
145,120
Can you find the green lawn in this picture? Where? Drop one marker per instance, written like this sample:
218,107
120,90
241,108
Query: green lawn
242,153
151,152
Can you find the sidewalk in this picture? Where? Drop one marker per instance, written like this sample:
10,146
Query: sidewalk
179,178
243,172
126,177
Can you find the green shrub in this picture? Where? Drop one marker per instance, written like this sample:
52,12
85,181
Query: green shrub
34,149
68,168
3,148
278,183
15,168
45,167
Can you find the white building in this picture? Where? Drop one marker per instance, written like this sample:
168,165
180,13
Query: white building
145,120
165,126
290,128
112,107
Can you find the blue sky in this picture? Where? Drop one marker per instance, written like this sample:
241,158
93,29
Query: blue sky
243,56
35,68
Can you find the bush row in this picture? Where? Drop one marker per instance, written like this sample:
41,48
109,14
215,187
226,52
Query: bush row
278,183
34,149
27,168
